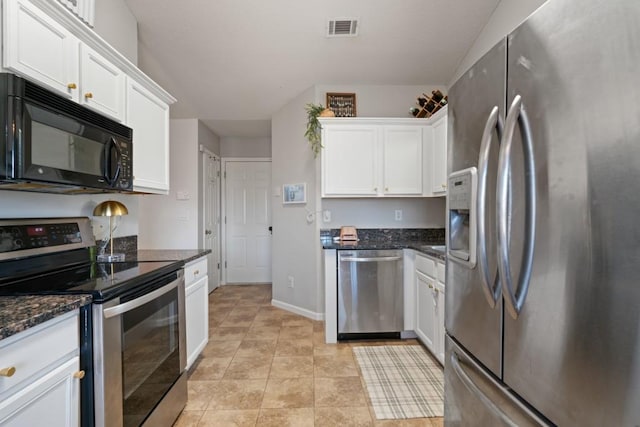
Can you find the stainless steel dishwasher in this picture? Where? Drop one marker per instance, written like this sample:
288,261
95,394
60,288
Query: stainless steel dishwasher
370,294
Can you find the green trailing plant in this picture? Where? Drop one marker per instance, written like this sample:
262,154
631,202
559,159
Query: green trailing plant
313,127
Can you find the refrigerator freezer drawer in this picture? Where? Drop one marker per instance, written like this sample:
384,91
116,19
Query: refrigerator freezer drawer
474,398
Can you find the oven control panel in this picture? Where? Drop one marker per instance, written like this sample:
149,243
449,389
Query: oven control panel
18,237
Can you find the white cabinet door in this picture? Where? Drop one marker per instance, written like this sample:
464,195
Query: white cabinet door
402,160
425,311
148,116
439,158
350,161
54,397
102,84
197,318
36,46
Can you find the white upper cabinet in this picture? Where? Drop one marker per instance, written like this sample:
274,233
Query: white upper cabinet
148,116
46,44
350,160
366,157
377,157
101,84
439,156
402,155
36,46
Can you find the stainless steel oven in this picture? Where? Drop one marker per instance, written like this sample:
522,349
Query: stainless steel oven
132,336
140,355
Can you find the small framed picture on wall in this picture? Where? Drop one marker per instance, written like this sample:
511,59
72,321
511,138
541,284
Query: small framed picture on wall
294,193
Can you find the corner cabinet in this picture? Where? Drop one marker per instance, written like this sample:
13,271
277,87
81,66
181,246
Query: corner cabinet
196,308
46,44
45,382
378,157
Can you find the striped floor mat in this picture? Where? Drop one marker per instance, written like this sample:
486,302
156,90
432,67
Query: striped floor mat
402,381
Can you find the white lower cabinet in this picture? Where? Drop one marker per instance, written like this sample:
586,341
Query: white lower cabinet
44,385
196,308
430,303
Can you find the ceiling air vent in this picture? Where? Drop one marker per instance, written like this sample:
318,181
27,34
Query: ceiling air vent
342,27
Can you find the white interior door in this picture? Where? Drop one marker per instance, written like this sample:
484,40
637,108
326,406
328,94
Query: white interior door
212,215
248,219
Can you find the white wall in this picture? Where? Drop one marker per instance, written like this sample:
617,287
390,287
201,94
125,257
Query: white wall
379,101
115,23
380,213
232,146
174,221
295,244
505,18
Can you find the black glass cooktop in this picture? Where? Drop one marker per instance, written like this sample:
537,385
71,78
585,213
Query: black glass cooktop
103,281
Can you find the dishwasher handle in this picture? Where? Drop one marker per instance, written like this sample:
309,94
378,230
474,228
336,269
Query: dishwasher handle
371,259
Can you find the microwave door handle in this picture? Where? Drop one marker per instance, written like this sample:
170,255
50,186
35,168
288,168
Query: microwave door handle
112,148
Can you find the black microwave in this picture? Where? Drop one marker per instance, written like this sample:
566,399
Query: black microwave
52,144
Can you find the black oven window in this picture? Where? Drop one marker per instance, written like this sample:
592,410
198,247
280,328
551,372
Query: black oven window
150,356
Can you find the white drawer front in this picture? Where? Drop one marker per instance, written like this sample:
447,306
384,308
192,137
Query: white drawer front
195,270
34,349
425,265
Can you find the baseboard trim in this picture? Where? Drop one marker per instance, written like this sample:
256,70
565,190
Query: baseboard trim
297,310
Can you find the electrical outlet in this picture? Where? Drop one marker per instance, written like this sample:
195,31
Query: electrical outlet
290,281
398,214
326,215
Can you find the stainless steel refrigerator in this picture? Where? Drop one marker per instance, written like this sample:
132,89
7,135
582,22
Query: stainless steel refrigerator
543,282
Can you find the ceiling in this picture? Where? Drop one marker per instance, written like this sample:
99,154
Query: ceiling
234,63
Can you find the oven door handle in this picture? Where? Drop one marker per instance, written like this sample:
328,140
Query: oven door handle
130,305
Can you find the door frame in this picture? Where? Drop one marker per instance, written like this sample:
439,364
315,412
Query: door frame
203,159
223,208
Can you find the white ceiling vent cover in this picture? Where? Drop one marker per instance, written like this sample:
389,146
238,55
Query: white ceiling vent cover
342,27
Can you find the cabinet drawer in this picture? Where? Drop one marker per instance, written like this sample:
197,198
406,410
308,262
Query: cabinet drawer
426,265
195,270
37,348
440,275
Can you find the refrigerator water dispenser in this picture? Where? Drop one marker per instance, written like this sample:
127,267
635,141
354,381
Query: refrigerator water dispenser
462,188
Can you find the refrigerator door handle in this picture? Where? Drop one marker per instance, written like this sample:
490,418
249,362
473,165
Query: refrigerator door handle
475,390
490,287
515,297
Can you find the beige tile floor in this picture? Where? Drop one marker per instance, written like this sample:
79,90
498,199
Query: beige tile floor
264,366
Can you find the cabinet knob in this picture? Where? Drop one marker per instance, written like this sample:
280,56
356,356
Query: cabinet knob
430,286
7,372
72,86
375,188
88,95
386,188
79,375
444,185
195,273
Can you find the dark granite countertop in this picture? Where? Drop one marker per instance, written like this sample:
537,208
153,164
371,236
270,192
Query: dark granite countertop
420,246
23,312
182,255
